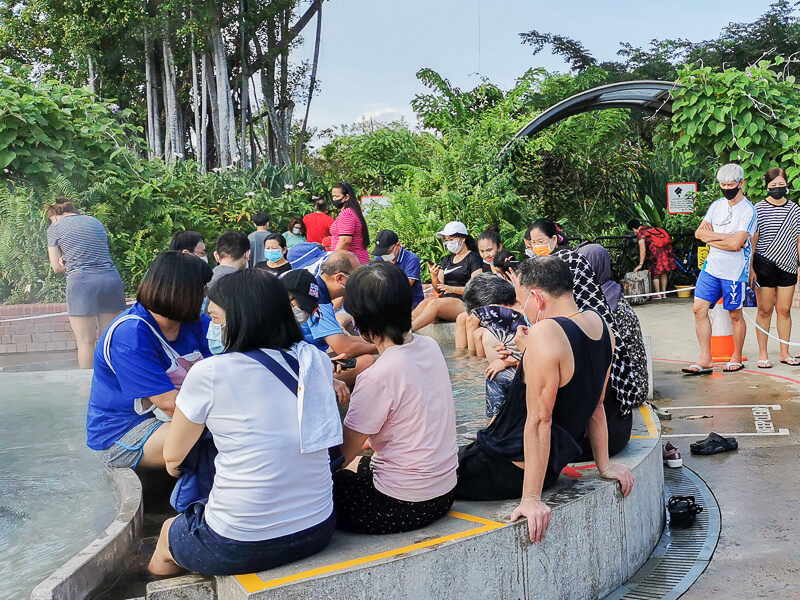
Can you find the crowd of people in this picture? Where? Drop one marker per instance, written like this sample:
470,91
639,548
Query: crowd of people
299,359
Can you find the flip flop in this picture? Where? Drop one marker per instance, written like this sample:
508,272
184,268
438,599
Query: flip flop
696,369
663,415
792,361
765,364
737,366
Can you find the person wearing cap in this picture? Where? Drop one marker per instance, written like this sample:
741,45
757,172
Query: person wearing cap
321,327
389,249
461,264
307,256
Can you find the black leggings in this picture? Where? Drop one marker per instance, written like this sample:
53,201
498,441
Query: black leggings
619,428
361,508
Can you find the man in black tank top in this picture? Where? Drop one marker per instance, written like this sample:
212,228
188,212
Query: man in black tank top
554,402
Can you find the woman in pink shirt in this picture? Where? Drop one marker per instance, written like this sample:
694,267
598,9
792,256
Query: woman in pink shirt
403,406
349,230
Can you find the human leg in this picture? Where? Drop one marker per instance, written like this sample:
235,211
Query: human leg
473,324
477,335
707,292
420,308
739,332
104,320
153,449
446,309
664,278
461,332
482,477
85,330
162,563
783,308
765,297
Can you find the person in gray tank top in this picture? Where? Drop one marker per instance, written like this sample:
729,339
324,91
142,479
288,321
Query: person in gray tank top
78,246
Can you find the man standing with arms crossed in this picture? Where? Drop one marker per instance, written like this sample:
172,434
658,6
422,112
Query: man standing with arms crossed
727,228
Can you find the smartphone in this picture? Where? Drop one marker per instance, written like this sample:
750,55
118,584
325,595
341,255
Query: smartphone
345,363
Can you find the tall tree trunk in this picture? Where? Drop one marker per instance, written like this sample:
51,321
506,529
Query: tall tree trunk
245,87
152,99
91,73
214,104
148,57
195,101
202,130
227,124
301,140
175,150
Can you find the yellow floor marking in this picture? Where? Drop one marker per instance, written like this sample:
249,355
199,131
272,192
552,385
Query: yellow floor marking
652,430
253,583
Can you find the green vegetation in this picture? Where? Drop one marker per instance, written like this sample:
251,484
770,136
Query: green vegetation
80,124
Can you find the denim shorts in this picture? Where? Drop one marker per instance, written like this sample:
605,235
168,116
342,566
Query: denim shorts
196,547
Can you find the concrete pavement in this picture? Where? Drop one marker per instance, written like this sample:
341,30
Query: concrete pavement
756,486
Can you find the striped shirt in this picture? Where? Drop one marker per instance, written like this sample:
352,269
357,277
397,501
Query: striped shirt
348,223
83,242
778,230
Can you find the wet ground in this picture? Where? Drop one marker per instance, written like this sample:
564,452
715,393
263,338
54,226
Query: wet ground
756,486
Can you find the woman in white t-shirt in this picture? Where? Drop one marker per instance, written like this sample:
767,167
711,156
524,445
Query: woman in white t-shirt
271,501
403,406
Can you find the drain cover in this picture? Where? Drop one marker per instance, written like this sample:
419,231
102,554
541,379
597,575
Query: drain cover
681,555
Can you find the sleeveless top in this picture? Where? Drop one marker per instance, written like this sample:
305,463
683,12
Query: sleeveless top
574,406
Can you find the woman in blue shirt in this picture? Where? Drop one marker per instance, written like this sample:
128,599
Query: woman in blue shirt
141,360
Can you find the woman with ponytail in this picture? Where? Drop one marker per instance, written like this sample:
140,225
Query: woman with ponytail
78,246
349,231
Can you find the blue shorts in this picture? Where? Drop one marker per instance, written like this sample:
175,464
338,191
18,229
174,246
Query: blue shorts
196,547
711,289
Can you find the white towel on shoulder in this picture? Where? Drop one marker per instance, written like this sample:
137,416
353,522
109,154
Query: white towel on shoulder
317,411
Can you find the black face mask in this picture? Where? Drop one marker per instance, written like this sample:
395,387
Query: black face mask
338,203
730,194
777,192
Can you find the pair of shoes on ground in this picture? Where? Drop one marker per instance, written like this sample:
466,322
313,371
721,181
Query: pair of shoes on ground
714,444
730,367
671,455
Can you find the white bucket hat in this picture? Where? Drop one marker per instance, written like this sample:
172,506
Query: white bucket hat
453,228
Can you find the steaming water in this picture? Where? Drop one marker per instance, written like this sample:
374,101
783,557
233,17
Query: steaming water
54,495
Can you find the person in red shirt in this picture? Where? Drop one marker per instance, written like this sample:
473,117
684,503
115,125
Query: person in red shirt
318,224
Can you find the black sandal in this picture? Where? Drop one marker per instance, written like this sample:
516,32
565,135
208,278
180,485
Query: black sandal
714,444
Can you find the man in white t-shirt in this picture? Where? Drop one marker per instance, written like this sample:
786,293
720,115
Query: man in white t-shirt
727,228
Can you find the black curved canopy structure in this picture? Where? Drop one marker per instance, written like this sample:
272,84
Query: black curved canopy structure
649,96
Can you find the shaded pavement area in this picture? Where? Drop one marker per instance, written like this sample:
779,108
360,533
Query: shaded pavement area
757,486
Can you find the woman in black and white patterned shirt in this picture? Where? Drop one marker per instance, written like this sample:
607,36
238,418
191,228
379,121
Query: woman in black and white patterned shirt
774,266
627,388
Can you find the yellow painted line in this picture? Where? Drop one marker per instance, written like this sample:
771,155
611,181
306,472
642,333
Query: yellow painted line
652,430
253,583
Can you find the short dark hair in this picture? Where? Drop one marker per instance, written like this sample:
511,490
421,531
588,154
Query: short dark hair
174,286
233,244
258,312
634,224
321,204
548,273
261,219
487,288
276,236
502,257
340,261
774,173
379,299
62,205
185,240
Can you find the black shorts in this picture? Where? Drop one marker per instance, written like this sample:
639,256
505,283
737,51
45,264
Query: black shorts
770,275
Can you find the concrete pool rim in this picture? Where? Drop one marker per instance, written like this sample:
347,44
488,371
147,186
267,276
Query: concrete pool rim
108,553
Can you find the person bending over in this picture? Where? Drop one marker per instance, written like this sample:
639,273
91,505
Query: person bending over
556,398
389,249
268,401
403,406
727,228
449,279
492,301
142,359
321,328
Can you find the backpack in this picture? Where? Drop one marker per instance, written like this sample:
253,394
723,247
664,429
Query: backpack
658,237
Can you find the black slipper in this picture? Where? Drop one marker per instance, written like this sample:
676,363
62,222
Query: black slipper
714,444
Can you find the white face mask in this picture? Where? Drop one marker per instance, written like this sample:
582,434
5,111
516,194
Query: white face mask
296,230
300,315
204,258
454,246
529,253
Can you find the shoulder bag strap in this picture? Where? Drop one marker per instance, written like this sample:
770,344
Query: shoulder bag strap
274,367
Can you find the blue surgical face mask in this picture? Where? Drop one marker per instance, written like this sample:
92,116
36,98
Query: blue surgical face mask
273,255
214,337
